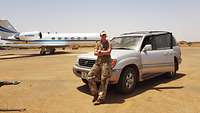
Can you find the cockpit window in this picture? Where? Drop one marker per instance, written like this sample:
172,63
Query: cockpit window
16,36
29,35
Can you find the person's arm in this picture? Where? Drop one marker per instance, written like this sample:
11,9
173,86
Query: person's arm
96,49
98,53
107,52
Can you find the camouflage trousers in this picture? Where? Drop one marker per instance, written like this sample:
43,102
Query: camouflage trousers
100,72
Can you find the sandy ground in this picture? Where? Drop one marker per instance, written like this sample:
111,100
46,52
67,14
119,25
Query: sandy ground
49,86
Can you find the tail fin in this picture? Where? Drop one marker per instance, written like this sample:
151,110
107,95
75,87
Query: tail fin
6,29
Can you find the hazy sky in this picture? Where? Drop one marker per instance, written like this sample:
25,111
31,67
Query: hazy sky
182,17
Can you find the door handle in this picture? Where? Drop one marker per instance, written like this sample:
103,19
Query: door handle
166,53
170,53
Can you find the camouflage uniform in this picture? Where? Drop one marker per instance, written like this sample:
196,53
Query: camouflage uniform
101,70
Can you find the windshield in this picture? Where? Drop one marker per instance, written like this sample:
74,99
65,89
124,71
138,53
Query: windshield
16,35
125,42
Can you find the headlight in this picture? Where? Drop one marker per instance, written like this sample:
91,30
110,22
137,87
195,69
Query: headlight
114,62
76,63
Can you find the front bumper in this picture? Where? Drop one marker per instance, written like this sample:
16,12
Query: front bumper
77,70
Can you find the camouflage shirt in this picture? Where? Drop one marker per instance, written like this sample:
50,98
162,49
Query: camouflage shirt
103,46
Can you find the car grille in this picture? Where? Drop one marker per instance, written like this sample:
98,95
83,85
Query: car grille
86,62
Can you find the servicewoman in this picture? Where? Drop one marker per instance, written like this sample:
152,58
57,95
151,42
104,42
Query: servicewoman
101,70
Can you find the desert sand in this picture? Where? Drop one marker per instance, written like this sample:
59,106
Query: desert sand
48,85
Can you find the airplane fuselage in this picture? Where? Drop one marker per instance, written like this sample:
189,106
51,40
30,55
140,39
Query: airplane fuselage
49,41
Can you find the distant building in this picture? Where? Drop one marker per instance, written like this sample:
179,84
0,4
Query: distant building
189,44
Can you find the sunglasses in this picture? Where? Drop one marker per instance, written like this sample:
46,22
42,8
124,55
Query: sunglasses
103,35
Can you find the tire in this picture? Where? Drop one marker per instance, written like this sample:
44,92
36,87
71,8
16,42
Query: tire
42,52
173,74
127,80
52,51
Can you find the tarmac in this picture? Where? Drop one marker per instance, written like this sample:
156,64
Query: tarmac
48,85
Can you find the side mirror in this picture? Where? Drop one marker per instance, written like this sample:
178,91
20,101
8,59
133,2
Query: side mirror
147,47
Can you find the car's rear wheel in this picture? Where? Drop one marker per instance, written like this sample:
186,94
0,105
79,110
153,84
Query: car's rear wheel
127,81
173,73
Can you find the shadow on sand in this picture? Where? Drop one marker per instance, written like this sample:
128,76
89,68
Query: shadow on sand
114,97
9,56
12,110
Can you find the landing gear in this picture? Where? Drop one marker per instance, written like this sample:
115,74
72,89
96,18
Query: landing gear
45,51
52,51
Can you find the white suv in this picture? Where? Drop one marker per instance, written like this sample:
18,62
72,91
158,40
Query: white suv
136,56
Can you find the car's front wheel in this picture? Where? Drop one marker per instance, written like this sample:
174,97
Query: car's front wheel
128,79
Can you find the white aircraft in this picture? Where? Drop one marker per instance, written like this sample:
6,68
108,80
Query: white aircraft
48,42
4,43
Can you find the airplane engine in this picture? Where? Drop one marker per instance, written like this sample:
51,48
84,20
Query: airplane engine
28,36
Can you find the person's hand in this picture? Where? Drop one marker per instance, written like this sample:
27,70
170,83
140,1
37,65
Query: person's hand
98,53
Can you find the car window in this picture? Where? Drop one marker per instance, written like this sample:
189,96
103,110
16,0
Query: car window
147,40
158,42
162,41
174,41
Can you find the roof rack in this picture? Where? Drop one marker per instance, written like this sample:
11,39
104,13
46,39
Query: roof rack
145,32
